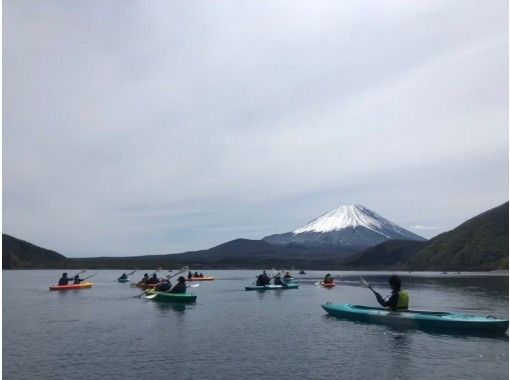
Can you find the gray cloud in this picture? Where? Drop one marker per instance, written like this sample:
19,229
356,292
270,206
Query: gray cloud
155,127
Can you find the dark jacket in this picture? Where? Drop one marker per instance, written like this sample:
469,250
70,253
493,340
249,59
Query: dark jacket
164,287
64,281
179,288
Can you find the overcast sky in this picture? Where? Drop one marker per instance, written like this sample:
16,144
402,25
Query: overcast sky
137,127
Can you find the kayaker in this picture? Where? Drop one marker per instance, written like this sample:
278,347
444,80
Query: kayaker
190,275
64,280
123,276
165,285
278,280
145,278
201,275
153,279
195,274
399,299
287,275
180,287
77,280
328,279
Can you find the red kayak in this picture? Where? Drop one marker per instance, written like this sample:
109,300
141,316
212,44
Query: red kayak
83,285
205,278
328,284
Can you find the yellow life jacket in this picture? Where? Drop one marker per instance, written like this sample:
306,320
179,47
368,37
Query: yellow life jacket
402,301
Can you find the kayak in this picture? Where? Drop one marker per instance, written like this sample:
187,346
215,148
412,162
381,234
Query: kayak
123,279
172,297
83,285
328,284
205,278
272,287
417,319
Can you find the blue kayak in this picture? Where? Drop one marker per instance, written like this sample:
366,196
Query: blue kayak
272,287
417,319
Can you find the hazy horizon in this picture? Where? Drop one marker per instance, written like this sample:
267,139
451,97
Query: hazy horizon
135,128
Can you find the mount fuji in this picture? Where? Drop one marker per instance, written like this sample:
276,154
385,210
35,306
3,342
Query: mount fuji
349,225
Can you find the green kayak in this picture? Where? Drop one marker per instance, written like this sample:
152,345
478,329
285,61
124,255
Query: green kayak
171,297
418,319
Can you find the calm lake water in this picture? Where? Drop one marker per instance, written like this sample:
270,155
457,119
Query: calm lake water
104,332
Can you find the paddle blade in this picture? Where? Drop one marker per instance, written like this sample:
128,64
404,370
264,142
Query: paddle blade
151,296
194,286
364,283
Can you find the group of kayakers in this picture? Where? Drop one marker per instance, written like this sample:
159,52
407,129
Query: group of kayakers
195,275
398,300
164,284
263,279
64,280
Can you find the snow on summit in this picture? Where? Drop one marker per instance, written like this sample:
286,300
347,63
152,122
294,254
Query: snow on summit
351,216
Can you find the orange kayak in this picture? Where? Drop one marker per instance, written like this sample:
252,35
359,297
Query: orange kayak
83,285
205,278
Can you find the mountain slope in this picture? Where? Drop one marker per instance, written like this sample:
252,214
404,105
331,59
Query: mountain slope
19,254
391,254
349,225
479,243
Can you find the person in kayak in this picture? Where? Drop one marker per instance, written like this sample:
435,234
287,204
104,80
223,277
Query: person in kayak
263,279
328,279
287,275
180,287
278,280
165,285
399,299
64,280
195,274
123,276
153,279
190,275
145,278
77,280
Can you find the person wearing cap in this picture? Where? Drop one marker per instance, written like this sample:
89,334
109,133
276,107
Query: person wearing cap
64,280
180,287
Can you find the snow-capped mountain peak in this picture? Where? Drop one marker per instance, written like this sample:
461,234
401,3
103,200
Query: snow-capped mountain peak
345,216
348,225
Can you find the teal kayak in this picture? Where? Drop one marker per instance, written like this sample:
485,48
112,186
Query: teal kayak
172,297
417,319
123,279
272,287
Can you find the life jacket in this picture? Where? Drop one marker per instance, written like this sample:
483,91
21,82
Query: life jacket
402,301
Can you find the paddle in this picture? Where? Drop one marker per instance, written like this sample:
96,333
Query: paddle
82,271
151,296
365,284
182,270
92,275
